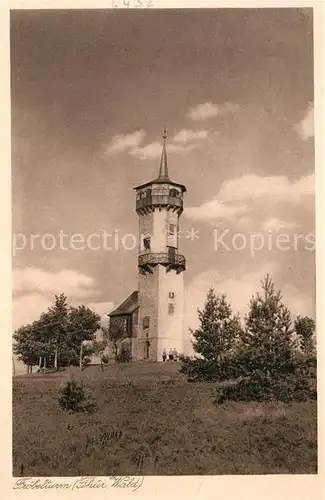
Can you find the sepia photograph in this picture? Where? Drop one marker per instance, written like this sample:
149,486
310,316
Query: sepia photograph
163,243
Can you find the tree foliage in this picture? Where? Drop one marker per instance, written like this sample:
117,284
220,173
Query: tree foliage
214,340
74,399
57,335
116,332
267,354
305,330
267,342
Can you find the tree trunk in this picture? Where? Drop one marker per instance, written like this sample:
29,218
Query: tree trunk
56,357
40,362
101,363
80,359
13,367
115,351
44,366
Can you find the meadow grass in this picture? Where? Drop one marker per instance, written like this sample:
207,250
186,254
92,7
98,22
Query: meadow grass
150,420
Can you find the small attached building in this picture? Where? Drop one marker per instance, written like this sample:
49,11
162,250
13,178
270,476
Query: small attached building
125,318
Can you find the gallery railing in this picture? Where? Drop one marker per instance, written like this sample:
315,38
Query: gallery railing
161,258
159,200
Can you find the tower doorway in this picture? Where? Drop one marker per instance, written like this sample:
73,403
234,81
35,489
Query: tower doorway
147,349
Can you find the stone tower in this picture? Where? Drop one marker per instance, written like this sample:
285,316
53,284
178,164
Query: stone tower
159,204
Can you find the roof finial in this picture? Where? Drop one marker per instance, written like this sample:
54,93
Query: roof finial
163,170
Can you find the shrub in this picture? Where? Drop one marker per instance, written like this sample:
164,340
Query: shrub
86,361
124,356
105,358
199,369
260,386
74,399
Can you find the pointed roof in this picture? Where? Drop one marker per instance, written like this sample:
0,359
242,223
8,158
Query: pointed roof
163,176
130,304
163,170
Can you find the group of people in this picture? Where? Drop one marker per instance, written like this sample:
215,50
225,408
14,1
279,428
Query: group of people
172,355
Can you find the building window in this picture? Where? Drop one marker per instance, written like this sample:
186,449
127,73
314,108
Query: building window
146,322
171,229
174,193
171,308
146,242
171,295
171,255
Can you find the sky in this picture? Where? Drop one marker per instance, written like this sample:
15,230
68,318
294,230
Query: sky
92,92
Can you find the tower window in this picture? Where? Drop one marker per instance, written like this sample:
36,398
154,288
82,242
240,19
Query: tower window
146,322
171,308
171,255
146,242
171,295
171,229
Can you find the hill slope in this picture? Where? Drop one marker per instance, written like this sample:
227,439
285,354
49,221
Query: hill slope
150,420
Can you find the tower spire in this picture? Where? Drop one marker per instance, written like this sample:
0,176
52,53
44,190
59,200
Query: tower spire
163,170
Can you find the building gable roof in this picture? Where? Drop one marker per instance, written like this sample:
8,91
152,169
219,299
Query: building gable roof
130,304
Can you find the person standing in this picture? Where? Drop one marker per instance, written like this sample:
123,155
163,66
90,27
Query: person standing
171,356
164,356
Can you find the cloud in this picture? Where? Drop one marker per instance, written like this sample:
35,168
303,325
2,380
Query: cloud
239,290
186,135
121,143
305,128
28,308
34,290
208,110
153,150
278,188
298,302
102,308
35,280
213,209
238,196
275,224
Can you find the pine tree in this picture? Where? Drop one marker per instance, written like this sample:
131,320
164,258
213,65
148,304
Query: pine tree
305,330
214,340
267,354
267,338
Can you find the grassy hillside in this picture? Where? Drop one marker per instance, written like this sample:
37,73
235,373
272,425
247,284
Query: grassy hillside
151,421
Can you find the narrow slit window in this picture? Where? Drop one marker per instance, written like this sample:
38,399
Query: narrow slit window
171,308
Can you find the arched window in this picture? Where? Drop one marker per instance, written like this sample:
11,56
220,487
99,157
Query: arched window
146,242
